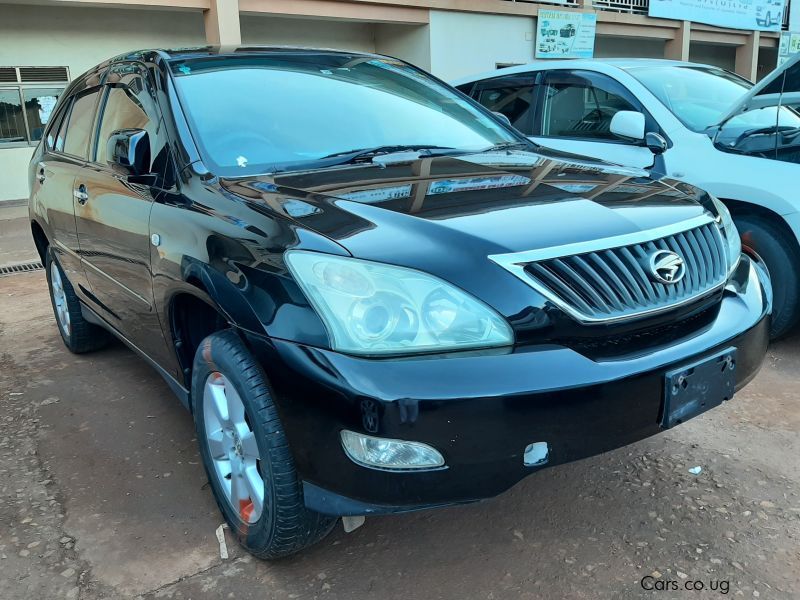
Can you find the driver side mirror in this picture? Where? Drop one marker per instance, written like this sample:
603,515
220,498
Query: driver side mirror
629,125
129,151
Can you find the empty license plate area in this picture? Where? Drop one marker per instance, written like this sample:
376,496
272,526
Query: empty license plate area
695,388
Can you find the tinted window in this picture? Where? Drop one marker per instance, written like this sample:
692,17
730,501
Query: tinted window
126,107
581,105
12,124
511,97
79,128
260,114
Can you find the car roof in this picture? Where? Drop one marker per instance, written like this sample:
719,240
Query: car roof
591,64
171,54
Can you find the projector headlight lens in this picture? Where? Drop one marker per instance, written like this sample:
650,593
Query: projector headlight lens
377,309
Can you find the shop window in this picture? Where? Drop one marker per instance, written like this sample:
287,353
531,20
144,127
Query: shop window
28,96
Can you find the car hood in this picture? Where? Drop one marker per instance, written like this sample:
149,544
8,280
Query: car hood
481,204
447,215
781,86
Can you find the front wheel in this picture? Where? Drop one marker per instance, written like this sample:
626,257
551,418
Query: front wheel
779,253
246,454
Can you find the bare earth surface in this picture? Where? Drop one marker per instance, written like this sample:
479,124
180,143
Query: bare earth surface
102,496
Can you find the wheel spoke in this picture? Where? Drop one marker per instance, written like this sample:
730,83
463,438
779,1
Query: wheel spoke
239,491
219,403
249,445
218,445
255,489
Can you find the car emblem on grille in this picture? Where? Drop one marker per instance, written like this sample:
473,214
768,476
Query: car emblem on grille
667,266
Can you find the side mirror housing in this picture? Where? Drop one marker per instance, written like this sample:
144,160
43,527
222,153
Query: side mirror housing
629,125
656,143
129,151
502,117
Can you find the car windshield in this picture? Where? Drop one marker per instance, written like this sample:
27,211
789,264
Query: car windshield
702,96
267,113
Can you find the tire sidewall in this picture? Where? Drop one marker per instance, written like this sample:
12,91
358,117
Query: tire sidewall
782,262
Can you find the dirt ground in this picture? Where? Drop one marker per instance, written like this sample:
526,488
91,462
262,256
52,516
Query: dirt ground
102,496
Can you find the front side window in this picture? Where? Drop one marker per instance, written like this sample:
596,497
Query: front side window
79,126
510,96
124,109
581,105
266,113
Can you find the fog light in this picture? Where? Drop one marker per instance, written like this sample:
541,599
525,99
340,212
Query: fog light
396,455
536,454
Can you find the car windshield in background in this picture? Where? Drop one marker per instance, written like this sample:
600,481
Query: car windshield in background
701,97
271,113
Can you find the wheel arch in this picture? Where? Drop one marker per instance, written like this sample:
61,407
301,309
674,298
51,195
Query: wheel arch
739,208
40,240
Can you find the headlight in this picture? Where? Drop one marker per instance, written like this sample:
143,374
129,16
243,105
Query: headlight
729,233
374,308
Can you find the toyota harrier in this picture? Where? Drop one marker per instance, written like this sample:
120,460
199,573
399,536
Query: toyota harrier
372,293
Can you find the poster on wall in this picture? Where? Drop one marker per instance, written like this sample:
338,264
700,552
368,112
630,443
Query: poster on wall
790,44
764,15
564,34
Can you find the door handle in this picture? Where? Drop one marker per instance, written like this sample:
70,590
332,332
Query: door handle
81,194
40,176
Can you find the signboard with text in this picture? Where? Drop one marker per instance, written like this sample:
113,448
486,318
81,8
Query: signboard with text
763,15
564,34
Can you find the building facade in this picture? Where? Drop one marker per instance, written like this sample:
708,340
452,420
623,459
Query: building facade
45,43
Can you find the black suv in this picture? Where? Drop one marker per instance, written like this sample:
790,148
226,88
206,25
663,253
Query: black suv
372,294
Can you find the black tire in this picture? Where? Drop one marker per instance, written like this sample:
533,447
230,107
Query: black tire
82,336
285,526
782,259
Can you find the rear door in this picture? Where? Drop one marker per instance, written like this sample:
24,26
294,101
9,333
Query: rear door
52,194
113,214
574,112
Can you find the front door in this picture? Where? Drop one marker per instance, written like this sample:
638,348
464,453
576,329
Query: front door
113,217
574,112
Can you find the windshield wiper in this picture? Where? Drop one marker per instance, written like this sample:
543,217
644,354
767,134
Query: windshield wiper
354,156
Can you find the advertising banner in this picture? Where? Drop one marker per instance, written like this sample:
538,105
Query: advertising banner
790,44
564,34
763,15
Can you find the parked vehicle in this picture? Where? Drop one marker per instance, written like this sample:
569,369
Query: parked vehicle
620,110
567,31
370,291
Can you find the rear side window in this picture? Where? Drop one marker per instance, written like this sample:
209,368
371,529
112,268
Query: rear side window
510,96
80,125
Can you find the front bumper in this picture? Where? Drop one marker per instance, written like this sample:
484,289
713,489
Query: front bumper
481,409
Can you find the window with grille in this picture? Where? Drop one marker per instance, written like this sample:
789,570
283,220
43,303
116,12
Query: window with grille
28,96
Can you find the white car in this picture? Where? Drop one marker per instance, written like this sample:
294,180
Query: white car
696,123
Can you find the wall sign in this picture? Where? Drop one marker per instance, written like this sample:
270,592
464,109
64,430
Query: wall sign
790,44
564,34
764,15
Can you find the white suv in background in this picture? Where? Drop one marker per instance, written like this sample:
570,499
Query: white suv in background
697,123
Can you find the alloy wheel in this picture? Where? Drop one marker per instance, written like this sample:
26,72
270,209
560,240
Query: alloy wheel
233,448
60,298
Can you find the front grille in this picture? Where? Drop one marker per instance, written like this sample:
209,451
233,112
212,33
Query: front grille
615,282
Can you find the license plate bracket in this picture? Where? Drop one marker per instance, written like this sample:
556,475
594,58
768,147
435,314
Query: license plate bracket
697,387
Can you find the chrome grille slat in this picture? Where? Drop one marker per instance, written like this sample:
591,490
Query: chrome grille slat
613,283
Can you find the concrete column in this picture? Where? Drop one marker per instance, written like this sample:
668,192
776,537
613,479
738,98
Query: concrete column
678,47
222,23
747,57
